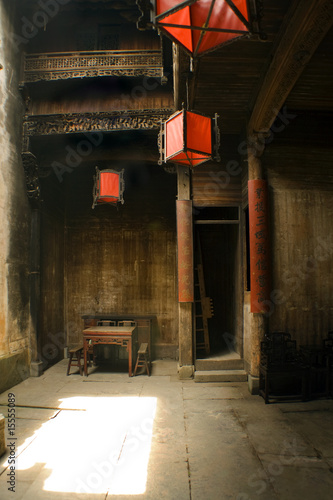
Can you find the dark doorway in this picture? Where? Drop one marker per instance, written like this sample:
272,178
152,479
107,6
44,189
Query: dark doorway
219,253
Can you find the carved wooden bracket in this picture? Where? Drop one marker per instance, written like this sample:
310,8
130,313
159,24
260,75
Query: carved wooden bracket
30,166
144,21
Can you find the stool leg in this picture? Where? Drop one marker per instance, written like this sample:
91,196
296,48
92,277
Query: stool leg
147,366
136,365
266,389
69,363
79,362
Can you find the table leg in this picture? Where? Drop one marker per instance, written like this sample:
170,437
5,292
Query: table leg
130,358
85,352
70,362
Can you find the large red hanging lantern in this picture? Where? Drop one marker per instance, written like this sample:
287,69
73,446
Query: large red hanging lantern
189,138
200,25
108,187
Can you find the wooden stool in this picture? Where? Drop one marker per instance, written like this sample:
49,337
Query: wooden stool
75,354
142,359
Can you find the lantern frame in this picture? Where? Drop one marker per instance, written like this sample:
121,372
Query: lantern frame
100,199
150,18
215,142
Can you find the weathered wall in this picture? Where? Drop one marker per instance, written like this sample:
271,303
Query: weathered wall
14,215
301,201
123,260
297,163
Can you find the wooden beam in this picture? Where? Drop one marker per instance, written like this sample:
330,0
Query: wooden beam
184,182
176,76
192,83
300,35
181,75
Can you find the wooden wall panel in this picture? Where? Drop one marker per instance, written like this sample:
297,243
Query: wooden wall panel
89,99
122,271
82,30
123,260
214,184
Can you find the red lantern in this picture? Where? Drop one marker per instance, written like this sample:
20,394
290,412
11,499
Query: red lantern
189,138
202,25
108,187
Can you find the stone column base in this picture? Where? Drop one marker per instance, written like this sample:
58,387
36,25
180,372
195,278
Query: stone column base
36,369
253,384
185,371
2,435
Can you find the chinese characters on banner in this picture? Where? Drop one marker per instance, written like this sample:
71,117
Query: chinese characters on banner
259,245
185,251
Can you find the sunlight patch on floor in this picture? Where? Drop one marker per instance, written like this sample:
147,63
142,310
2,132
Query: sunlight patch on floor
96,447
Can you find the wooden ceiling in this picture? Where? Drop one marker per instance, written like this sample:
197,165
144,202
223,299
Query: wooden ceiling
249,81
314,89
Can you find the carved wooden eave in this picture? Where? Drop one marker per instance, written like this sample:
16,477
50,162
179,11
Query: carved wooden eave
300,35
68,65
91,122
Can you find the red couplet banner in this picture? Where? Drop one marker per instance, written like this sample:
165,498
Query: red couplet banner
185,251
259,246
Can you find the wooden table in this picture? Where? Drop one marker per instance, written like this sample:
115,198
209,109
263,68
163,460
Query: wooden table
146,324
124,336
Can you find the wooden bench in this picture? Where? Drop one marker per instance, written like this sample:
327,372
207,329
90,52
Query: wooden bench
75,356
142,359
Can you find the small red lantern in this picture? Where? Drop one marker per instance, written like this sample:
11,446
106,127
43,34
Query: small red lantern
109,187
200,25
189,138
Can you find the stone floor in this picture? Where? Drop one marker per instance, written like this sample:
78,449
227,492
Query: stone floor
111,436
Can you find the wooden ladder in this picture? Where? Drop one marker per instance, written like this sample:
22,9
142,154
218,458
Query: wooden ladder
202,305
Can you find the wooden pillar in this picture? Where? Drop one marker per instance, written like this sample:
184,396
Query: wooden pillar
185,272
33,191
259,259
36,366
